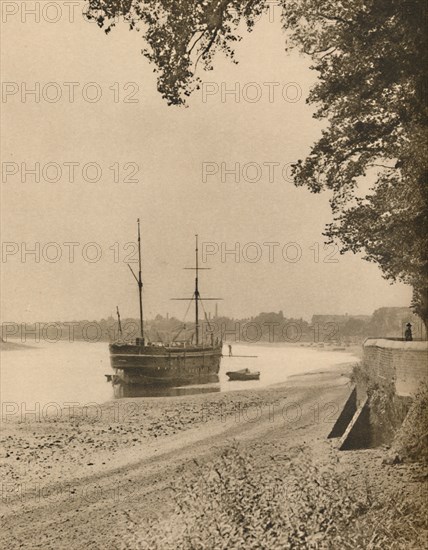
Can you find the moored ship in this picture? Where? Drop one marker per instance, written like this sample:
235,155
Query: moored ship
175,363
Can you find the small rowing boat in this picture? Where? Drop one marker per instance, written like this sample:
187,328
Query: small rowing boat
243,374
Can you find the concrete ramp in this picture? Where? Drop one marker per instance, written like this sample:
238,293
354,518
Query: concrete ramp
345,417
357,435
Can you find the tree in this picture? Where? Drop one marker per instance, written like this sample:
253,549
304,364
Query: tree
180,34
355,327
371,58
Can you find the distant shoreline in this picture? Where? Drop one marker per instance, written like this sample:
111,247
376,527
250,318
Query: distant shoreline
13,346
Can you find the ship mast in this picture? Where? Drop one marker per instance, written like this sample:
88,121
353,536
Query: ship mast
140,284
197,295
118,322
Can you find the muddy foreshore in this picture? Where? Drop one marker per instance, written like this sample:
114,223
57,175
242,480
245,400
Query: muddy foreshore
91,478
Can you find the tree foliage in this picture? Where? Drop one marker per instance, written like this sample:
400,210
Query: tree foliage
371,59
180,35
371,56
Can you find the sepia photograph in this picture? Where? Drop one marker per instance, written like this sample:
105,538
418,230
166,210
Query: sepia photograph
214,275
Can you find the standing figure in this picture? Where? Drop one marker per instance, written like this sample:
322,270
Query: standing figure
408,336
230,350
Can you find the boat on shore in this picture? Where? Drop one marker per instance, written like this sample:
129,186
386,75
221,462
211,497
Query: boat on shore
142,362
243,374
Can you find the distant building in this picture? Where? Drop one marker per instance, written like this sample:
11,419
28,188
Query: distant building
338,319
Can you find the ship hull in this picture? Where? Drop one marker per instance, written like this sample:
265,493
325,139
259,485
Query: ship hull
161,365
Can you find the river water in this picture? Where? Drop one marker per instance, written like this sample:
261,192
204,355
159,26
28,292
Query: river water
67,372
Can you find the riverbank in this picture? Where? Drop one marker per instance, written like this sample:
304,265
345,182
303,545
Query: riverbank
13,346
98,477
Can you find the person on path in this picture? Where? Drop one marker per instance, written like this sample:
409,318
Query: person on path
408,336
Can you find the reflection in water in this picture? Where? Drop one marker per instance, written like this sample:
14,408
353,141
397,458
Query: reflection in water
131,390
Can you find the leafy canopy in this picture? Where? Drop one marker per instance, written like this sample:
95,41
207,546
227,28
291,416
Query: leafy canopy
371,56
180,35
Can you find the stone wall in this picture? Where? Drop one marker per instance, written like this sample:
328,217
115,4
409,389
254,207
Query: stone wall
396,364
386,382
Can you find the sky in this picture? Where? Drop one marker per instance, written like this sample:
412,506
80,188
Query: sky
118,152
